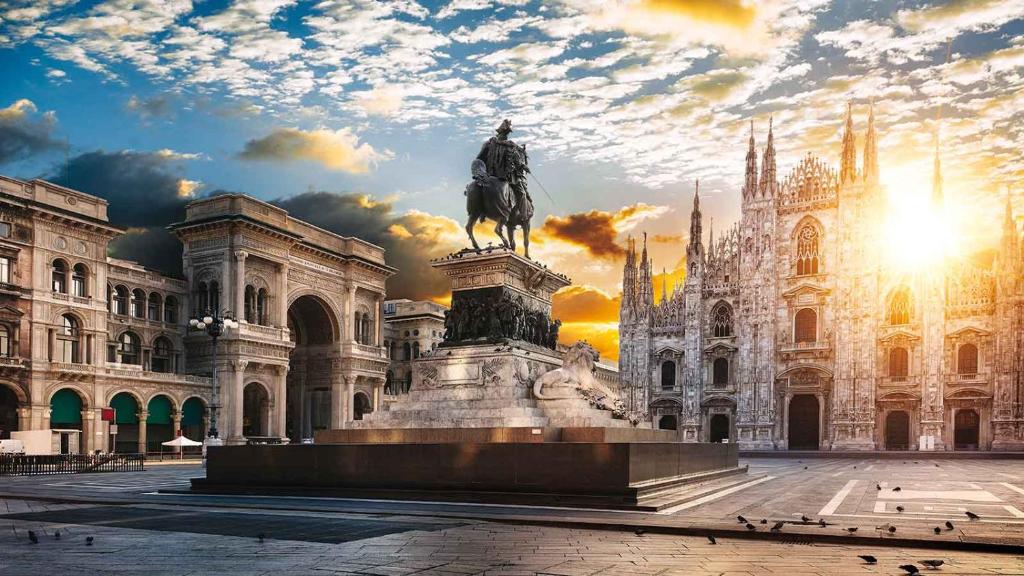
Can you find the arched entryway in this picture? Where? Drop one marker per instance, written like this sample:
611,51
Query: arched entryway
66,414
804,422
8,412
126,418
159,422
897,430
361,405
314,329
193,413
255,410
718,428
966,428
668,422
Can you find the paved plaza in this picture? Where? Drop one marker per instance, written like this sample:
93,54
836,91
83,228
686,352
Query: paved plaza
135,524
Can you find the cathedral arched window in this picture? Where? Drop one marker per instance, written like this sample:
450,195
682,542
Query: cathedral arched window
967,359
668,375
899,307
720,372
899,363
721,321
807,258
805,326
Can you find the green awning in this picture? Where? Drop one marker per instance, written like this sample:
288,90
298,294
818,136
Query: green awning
159,410
192,412
127,409
65,408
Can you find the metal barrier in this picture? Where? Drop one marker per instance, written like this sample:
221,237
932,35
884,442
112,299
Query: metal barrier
22,465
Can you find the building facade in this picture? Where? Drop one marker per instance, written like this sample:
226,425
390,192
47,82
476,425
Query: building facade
411,329
792,330
80,331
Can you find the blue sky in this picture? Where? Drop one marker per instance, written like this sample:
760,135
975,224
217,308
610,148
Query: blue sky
622,103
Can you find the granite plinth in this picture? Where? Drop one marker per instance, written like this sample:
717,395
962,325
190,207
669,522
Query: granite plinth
492,435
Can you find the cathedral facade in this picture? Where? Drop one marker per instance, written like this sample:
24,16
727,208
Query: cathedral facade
792,330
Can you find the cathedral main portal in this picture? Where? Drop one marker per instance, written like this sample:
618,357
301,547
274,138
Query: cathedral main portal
804,418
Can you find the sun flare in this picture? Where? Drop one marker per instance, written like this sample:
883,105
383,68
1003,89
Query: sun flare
920,230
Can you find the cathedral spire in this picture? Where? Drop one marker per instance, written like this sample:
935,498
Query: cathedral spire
768,165
664,284
696,230
848,158
871,149
750,185
629,275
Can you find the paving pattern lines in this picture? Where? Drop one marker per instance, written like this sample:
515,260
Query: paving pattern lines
475,548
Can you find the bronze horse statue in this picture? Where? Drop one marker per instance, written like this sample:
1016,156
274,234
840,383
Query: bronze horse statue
491,198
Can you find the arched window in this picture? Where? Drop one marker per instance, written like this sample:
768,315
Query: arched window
415,349
900,307
67,340
967,359
668,375
171,310
202,298
805,326
721,321
214,298
261,307
130,352
153,308
357,328
807,251
60,276
720,372
406,351
162,355
367,337
79,281
5,342
138,303
250,304
121,301
899,363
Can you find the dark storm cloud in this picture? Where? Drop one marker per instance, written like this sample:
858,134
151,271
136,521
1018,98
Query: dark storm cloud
155,106
410,240
145,195
594,230
23,133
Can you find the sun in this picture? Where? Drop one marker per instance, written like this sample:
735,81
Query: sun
920,229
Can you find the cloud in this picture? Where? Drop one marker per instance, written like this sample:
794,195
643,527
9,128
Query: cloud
23,133
381,101
582,303
154,106
337,150
597,230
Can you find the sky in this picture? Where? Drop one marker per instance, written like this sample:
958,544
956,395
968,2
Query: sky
363,116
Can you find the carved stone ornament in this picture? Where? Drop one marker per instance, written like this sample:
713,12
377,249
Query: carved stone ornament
428,375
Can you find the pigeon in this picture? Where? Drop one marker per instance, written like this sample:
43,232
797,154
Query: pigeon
32,537
878,487
892,529
909,569
972,515
261,536
778,526
854,467
900,508
741,519
764,520
933,564
851,530
822,523
639,532
896,489
751,526
868,559
711,539
804,519
949,525
805,467
88,540
938,530
56,535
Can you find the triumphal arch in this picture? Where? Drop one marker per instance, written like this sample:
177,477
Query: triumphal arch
308,350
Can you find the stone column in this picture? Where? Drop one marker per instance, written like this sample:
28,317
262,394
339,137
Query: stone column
51,344
143,416
282,299
378,320
239,304
281,402
350,412
339,403
175,426
238,398
88,423
350,310
224,298
90,352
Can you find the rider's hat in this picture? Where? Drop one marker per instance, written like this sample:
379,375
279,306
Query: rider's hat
505,128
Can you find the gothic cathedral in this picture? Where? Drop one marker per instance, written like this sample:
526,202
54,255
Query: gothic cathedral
792,331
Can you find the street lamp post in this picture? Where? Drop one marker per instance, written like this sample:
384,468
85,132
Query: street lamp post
216,325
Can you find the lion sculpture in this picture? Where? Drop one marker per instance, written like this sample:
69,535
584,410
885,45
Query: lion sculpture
575,379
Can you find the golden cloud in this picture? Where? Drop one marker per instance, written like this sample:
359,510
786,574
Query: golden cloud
335,149
603,337
585,304
596,230
715,85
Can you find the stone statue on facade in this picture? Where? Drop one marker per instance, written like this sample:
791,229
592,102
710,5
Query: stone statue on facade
498,191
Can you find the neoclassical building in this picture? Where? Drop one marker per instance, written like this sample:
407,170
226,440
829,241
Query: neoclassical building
794,330
80,331
411,329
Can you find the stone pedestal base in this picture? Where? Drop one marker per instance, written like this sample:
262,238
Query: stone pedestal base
484,386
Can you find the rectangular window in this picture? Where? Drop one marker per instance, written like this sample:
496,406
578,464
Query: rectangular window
5,270
78,286
5,230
